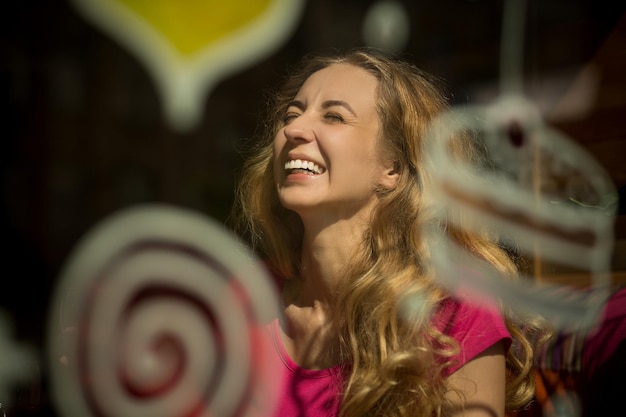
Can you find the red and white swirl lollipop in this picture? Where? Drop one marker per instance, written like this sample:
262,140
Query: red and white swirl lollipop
167,312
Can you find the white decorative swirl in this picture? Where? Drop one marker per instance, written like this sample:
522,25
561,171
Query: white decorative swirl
169,313
524,199
542,195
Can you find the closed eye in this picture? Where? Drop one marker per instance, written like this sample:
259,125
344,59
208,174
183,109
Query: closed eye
289,117
334,117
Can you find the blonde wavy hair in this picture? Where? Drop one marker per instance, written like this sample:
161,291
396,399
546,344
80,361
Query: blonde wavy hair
393,367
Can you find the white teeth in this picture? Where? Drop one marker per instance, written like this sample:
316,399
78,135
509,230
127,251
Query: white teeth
299,164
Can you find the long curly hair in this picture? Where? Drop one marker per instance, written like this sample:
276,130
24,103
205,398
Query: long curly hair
393,367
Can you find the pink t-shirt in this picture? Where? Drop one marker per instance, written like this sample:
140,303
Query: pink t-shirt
317,393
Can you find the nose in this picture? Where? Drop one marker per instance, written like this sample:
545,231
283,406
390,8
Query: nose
298,130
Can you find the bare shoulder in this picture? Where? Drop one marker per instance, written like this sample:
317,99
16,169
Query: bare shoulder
479,385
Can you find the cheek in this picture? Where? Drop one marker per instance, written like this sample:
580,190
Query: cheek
359,156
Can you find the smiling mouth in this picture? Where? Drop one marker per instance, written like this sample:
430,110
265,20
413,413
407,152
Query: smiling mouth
305,167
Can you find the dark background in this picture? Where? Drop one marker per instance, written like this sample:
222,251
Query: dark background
83,133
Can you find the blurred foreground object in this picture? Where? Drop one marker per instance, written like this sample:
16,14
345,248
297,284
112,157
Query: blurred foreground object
160,311
189,46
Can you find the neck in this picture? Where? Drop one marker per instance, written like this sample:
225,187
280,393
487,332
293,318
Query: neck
325,254
310,336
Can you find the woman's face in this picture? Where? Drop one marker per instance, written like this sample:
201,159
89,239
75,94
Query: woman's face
325,156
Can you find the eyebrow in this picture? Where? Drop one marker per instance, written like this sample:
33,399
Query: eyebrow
325,105
341,103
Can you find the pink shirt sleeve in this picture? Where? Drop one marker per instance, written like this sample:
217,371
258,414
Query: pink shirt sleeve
474,327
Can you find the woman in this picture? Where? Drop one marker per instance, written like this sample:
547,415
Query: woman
334,197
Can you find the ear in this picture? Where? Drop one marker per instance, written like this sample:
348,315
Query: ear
389,179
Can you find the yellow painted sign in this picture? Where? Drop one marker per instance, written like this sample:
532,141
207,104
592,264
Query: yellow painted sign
189,46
